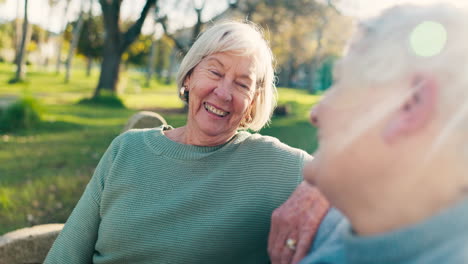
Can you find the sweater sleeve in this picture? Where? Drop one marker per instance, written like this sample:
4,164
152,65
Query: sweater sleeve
75,243
305,157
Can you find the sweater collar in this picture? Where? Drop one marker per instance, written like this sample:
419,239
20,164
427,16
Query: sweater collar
162,145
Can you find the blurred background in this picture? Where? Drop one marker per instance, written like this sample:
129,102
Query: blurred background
72,72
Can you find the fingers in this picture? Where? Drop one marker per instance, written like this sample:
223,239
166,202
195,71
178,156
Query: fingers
279,248
286,252
298,218
309,229
304,243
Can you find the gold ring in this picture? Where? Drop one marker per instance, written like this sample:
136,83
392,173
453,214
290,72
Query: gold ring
291,243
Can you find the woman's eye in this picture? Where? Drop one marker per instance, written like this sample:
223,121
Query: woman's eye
217,74
243,85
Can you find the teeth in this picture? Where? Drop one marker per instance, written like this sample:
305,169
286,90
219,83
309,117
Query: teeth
215,110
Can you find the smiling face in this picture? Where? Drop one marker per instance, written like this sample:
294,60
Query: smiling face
222,88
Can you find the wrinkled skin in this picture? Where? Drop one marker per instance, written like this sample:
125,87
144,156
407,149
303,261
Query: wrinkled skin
298,218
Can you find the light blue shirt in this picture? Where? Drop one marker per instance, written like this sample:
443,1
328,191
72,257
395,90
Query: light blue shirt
443,238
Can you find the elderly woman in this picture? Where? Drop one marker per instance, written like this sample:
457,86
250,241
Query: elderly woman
399,173
204,192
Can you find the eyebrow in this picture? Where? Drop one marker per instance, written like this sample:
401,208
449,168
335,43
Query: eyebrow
216,60
243,76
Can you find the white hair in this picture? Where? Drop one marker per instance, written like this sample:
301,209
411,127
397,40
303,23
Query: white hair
382,52
242,39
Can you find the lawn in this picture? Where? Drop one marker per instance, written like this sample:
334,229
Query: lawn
44,170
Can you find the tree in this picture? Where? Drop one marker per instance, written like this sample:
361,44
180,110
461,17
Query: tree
151,61
301,34
116,42
52,4
21,54
60,44
18,33
74,42
91,40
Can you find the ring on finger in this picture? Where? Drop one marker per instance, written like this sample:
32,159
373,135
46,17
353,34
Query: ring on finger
291,243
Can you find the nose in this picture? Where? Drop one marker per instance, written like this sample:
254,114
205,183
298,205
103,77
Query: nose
223,91
314,120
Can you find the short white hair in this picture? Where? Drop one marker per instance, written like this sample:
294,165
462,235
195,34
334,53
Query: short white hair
242,39
382,52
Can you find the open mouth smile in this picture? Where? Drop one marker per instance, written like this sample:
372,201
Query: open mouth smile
215,110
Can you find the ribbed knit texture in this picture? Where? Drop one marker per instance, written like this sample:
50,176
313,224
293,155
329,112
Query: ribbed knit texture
152,200
442,238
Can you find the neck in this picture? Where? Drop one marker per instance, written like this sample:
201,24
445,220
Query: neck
397,206
185,135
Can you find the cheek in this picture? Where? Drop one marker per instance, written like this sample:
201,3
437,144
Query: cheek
242,106
335,174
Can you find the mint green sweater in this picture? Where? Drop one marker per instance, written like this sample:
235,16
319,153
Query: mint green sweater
152,200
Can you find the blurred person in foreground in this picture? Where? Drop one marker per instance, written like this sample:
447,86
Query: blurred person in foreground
204,192
393,134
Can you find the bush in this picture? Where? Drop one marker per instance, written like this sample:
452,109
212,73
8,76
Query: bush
104,99
22,114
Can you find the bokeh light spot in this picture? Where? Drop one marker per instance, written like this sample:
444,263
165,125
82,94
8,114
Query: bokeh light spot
428,39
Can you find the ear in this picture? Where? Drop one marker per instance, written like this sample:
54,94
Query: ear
416,112
187,80
186,83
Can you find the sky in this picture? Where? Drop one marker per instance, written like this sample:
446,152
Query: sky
39,12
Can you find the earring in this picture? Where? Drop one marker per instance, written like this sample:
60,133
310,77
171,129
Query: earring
246,121
183,94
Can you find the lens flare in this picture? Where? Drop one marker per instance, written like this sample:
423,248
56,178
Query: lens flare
428,39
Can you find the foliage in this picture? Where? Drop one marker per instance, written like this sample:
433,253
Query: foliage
138,52
164,47
301,33
23,114
6,35
91,40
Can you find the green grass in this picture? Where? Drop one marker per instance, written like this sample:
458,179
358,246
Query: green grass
44,170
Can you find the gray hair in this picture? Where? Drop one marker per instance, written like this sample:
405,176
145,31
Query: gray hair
384,50
242,39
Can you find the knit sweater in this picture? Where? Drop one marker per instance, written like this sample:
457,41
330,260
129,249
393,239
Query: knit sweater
443,238
152,200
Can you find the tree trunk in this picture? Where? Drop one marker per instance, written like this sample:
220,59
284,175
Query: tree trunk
150,68
172,59
111,56
45,61
60,44
109,70
21,54
89,65
73,44
18,33
116,42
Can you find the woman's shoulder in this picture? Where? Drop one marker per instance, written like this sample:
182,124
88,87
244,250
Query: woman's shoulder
271,144
135,137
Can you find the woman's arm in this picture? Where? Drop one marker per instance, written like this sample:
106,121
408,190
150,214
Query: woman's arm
75,243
